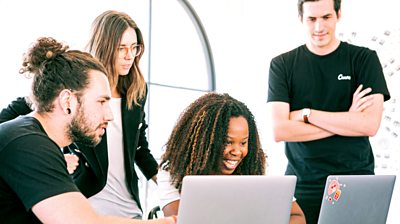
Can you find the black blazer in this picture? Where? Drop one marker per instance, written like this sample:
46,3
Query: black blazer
91,174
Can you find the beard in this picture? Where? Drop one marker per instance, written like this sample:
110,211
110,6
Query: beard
80,130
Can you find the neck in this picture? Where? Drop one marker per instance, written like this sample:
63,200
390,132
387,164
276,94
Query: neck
115,93
323,50
54,128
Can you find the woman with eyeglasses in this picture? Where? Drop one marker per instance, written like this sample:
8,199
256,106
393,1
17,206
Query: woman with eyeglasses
117,42
106,174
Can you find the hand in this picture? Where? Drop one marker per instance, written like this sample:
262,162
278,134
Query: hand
72,162
360,100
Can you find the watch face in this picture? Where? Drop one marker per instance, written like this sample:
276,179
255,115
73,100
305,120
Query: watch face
306,113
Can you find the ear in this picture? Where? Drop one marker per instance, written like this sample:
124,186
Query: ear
339,14
65,97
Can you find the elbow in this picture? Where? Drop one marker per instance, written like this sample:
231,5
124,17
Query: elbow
372,133
277,136
279,131
278,139
373,129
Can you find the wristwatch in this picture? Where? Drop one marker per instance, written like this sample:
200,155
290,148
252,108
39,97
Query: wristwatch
306,114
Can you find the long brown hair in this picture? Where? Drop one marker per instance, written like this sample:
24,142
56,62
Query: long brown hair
197,142
107,31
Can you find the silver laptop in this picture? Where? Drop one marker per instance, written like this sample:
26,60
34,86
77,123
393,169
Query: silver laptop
356,199
236,199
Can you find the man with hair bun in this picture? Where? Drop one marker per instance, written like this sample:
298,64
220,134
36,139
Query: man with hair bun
71,97
111,185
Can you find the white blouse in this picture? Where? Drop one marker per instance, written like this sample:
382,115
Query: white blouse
166,190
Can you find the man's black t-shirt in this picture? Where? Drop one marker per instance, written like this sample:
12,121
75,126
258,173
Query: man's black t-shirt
327,83
32,168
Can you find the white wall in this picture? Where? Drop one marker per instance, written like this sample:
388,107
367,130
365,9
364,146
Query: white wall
244,35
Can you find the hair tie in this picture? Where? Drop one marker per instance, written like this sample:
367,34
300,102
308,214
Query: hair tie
49,54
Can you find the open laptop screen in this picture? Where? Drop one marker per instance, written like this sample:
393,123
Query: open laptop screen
356,199
236,199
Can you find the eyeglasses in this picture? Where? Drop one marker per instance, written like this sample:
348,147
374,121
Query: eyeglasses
133,51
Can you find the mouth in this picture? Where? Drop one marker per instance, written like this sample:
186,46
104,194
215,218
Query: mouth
231,164
102,129
127,66
320,35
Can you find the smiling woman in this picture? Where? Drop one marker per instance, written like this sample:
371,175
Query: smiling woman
215,135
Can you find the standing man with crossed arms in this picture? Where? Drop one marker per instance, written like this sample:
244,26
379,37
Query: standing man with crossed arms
326,100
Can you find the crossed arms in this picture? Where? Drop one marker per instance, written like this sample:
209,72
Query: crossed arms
362,119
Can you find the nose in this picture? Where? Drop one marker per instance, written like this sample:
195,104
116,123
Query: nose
235,150
129,53
108,116
318,26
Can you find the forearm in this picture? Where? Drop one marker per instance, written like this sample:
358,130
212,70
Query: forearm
289,126
73,207
112,219
298,131
171,208
359,123
345,123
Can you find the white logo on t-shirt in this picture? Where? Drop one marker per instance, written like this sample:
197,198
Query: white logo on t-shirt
343,77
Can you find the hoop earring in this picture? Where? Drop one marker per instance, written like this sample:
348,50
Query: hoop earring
68,111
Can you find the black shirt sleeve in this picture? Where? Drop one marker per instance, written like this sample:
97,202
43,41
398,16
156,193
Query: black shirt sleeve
278,89
371,74
35,172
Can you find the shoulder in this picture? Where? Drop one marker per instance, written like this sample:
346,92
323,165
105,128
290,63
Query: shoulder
357,51
16,108
24,129
290,54
289,57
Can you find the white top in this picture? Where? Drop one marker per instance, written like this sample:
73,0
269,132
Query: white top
115,198
166,191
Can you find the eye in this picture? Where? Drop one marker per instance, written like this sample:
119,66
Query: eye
229,142
326,17
243,143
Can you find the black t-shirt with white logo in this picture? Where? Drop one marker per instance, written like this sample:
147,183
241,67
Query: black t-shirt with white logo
327,83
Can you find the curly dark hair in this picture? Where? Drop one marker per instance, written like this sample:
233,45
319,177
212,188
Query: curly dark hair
198,140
